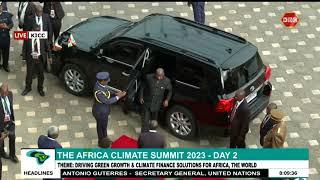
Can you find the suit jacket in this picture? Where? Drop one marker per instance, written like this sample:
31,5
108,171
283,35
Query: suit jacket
45,50
44,142
276,136
29,14
2,114
57,7
240,122
46,24
151,140
265,128
153,92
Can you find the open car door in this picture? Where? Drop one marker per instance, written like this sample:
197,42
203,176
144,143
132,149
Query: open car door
132,99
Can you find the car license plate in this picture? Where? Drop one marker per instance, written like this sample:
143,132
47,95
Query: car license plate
251,96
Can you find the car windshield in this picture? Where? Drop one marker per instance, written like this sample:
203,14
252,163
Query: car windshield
239,76
116,32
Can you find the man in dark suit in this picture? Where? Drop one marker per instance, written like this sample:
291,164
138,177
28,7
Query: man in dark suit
266,123
102,101
152,94
7,122
6,25
56,12
198,11
26,11
151,139
239,121
37,50
49,142
43,20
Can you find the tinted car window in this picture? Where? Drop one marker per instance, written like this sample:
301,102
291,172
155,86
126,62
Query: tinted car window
125,52
189,72
241,75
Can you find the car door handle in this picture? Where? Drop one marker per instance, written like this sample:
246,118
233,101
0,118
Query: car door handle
125,74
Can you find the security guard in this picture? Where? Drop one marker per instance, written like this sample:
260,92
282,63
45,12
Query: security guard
276,137
5,25
103,98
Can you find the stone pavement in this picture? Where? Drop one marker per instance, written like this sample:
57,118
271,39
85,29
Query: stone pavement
291,53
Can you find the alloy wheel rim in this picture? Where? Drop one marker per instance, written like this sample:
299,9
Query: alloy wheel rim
74,80
180,123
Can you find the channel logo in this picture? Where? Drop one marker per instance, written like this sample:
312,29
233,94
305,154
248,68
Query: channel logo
25,35
40,156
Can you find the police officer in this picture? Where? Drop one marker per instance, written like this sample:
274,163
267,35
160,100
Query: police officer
103,98
5,25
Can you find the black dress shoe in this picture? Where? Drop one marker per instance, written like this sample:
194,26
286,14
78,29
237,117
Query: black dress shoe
14,158
5,155
41,92
6,69
25,92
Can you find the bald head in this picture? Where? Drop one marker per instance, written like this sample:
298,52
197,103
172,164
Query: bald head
159,74
53,132
153,125
240,94
39,10
4,88
270,107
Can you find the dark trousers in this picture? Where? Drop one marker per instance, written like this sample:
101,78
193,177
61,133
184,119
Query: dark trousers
4,55
198,12
234,143
0,169
56,27
102,124
147,116
12,143
32,67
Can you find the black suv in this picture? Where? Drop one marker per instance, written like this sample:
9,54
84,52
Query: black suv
206,66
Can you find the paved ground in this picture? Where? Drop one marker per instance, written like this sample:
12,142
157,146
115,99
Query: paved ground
292,54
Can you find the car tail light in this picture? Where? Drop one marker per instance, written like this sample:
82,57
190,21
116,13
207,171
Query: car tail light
225,105
267,74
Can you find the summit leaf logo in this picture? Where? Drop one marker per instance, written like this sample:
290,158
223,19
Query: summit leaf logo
41,157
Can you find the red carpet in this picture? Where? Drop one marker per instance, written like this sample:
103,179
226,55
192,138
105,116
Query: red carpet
125,142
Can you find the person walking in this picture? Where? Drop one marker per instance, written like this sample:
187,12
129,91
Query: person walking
7,122
26,11
152,93
151,139
198,11
276,137
266,123
49,141
239,121
37,50
103,99
56,12
6,25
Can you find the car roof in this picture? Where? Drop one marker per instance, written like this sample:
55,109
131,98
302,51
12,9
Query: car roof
213,44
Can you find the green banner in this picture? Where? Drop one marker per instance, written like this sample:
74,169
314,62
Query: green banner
182,154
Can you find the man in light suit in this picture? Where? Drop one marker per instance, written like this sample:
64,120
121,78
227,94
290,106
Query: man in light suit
239,121
151,139
49,142
7,122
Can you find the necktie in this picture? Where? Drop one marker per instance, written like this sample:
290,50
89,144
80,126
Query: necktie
6,106
265,120
38,20
35,46
233,112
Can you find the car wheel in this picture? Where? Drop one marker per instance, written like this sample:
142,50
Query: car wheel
181,122
75,80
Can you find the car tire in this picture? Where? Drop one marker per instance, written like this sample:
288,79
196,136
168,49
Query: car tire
75,80
185,115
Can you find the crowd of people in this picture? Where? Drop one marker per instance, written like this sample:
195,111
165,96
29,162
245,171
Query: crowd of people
37,54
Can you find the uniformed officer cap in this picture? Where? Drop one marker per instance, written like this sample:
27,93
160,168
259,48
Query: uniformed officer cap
276,115
103,76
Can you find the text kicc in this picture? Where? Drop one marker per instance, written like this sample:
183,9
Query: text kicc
25,35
